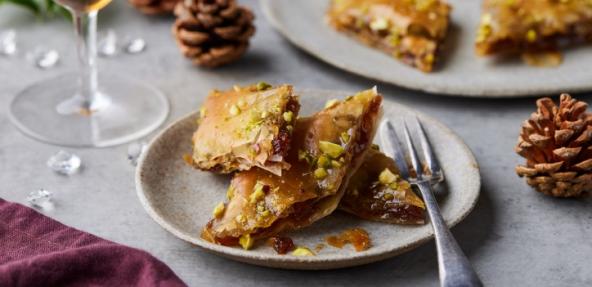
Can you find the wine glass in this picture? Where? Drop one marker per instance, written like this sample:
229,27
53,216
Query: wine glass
88,108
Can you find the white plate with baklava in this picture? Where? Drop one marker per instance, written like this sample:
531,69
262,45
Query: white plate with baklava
288,178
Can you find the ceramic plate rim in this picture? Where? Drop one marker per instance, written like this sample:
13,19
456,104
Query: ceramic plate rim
309,263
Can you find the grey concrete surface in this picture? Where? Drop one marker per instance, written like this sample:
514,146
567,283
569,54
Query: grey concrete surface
514,237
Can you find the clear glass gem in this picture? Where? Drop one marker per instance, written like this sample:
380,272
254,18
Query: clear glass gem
135,46
108,45
44,58
64,163
40,198
8,43
134,151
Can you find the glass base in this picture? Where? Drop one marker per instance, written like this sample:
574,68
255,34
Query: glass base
125,110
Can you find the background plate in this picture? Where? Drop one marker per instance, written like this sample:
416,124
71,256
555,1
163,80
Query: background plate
181,199
460,73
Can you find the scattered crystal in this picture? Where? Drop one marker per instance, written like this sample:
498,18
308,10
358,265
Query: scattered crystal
44,58
135,46
134,151
40,198
108,45
8,43
64,163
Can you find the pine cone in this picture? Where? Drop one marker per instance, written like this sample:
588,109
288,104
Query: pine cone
212,32
556,144
152,7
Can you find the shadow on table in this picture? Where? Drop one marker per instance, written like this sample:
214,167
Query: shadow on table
252,58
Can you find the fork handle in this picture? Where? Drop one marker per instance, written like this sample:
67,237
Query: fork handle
454,267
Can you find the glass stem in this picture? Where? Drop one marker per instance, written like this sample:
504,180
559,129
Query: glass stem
86,34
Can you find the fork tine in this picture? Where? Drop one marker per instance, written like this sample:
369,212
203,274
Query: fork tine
392,146
413,154
428,152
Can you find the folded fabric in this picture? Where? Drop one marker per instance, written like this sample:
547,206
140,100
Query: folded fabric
38,251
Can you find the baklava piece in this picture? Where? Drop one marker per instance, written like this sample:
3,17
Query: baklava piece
409,30
376,192
532,25
326,150
245,127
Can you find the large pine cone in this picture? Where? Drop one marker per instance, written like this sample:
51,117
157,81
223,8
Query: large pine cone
556,144
212,32
152,7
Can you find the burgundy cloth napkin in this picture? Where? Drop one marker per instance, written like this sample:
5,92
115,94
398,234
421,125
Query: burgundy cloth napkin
36,250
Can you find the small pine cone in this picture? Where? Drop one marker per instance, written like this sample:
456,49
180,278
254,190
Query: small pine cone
556,142
212,32
153,7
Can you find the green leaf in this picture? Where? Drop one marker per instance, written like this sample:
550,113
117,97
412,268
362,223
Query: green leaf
46,8
53,9
29,4
64,12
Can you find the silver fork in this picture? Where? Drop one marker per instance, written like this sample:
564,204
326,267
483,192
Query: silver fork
454,267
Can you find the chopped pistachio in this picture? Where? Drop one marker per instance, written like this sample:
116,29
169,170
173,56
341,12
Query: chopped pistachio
331,103
486,19
388,196
276,109
241,103
265,213
423,5
331,149
302,155
394,185
387,177
320,173
345,137
241,218
483,32
324,161
254,122
219,210
202,112
264,114
302,251
262,86
290,128
260,208
394,39
234,110
335,164
252,152
531,36
379,24
288,116
360,23
404,185
246,241
230,192
257,194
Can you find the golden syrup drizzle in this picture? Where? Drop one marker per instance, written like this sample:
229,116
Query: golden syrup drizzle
358,237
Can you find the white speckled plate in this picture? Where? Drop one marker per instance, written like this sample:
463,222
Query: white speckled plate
181,199
461,73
